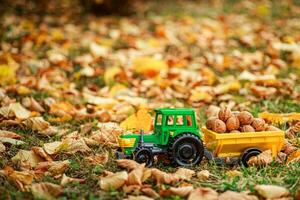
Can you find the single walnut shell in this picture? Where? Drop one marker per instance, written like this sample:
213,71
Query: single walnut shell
235,131
218,126
245,118
258,124
232,123
272,128
247,128
224,114
209,122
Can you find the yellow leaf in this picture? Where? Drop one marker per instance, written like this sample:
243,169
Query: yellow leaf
293,156
271,191
200,96
7,75
141,120
263,10
148,66
110,73
113,181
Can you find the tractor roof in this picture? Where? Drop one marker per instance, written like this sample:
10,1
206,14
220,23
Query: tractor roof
175,111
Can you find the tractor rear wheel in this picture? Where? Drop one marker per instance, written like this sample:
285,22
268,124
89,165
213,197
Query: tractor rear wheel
144,155
187,150
249,153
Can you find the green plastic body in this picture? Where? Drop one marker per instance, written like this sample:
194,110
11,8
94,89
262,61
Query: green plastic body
184,121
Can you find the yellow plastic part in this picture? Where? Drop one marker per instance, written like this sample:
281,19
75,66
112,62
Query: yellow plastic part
126,142
280,118
234,144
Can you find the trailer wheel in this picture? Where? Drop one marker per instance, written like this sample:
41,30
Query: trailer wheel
248,154
144,155
187,150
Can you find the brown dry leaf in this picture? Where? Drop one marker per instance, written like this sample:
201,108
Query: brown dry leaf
42,153
27,159
113,181
2,148
139,121
141,197
271,191
20,179
68,145
107,134
32,104
37,123
162,177
55,168
127,164
65,180
180,191
203,175
132,189
46,190
236,196
136,175
147,173
293,156
64,110
98,159
203,194
19,111
150,192
184,174
9,134
11,141
262,159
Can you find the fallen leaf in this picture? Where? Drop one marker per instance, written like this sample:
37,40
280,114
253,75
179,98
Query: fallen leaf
68,145
203,194
262,159
20,179
184,174
141,197
294,156
271,191
203,175
41,152
140,121
148,66
98,159
37,123
27,159
2,148
113,181
7,75
54,168
150,192
236,196
131,189
32,104
136,175
180,191
11,141
65,180
162,177
19,111
9,134
46,190
127,164
233,173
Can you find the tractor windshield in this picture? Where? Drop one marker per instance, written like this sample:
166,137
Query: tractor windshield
158,121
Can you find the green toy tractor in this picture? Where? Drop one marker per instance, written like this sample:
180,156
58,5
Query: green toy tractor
175,134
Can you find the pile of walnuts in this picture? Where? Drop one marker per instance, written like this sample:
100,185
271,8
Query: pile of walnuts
227,121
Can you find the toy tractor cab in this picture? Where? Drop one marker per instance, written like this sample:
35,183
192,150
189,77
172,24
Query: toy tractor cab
175,134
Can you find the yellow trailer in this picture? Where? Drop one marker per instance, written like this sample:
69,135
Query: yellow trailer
242,145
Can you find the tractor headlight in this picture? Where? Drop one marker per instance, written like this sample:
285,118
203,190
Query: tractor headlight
126,142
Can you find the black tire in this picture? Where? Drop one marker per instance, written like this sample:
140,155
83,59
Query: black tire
248,154
144,155
186,150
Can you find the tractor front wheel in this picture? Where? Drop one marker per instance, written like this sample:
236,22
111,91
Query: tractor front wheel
187,150
144,155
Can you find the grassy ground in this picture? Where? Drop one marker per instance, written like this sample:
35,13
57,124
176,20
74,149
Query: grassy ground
287,176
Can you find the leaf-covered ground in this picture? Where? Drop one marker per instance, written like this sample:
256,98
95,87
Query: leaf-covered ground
69,79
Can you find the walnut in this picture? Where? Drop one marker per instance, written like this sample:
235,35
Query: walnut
245,118
258,124
218,126
272,128
224,114
212,111
232,123
209,122
247,128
